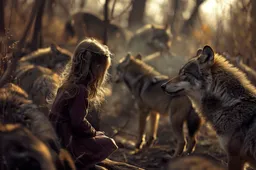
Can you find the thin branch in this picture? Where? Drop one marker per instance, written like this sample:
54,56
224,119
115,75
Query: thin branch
113,9
123,12
106,21
2,27
15,56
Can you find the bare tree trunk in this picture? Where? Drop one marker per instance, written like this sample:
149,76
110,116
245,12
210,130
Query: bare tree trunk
50,9
106,19
136,16
37,38
13,60
187,27
2,25
65,7
82,4
176,7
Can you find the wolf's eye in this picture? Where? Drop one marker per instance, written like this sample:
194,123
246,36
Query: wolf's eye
189,76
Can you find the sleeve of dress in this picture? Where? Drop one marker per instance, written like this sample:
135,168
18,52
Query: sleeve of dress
78,111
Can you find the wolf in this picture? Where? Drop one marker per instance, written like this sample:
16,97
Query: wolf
149,39
145,85
16,109
83,24
40,84
225,98
53,57
195,162
20,149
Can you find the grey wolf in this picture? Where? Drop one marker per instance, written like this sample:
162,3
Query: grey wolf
222,94
144,84
149,39
53,57
40,83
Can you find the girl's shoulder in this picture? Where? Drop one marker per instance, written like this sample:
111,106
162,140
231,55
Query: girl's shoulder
73,90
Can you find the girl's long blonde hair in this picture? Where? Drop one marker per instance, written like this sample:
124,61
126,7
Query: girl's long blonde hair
88,67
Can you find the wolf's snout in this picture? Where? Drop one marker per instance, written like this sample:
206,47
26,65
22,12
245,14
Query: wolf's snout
163,86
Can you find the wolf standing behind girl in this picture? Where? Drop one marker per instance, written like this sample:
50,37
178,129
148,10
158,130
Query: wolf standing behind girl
82,87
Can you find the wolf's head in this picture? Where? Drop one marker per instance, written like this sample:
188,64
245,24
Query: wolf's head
160,39
60,57
125,64
69,31
194,76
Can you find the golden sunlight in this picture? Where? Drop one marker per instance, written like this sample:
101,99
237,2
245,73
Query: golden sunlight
213,9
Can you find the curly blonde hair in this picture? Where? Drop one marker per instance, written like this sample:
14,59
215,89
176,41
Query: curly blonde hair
88,67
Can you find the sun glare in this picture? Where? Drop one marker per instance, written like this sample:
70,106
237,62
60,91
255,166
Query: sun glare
213,9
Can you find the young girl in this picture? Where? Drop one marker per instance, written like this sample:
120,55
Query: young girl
83,87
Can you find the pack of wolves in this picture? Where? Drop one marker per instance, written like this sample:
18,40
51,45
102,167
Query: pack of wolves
207,87
219,92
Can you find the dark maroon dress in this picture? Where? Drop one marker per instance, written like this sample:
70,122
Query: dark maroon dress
68,115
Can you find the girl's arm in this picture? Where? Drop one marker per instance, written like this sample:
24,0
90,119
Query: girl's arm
78,111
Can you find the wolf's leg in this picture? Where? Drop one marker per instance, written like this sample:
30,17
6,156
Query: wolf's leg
142,127
154,120
235,162
177,125
193,125
233,149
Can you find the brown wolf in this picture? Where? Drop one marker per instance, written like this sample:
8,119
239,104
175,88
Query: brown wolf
195,162
17,109
53,57
15,90
83,24
145,85
20,149
225,98
149,39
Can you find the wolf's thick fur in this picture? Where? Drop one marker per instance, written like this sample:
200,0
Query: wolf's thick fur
83,24
149,39
227,100
15,90
39,82
144,83
53,57
22,150
17,109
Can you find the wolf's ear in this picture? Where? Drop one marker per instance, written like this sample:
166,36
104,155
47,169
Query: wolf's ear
199,51
54,49
127,59
207,55
138,56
